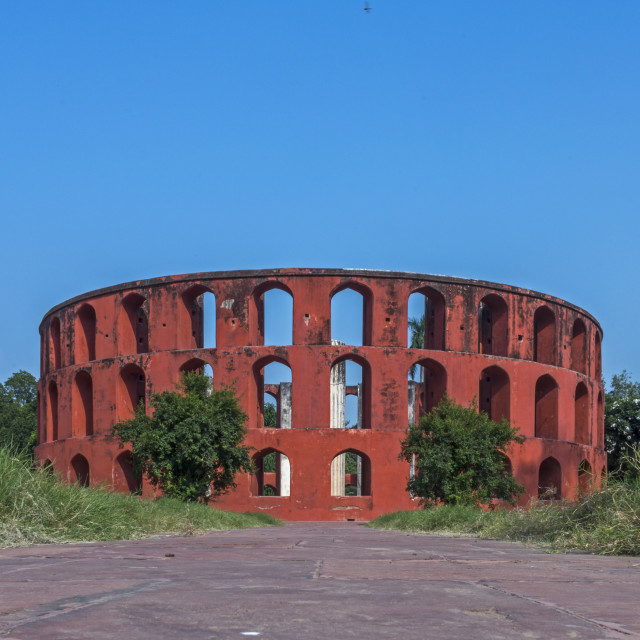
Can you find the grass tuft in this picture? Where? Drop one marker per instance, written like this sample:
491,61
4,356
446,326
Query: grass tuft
36,507
606,521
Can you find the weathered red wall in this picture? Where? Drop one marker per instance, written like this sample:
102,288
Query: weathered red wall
164,332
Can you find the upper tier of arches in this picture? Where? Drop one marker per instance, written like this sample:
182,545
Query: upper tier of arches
229,310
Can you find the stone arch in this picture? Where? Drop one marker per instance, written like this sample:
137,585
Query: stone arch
52,411
195,364
585,477
494,392
367,309
55,354
272,469
283,392
125,479
508,465
342,477
133,325
257,316
79,470
544,336
550,479
85,334
434,318
82,405
582,414
493,325
579,347
426,393
600,425
598,348
546,400
198,318
338,391
131,390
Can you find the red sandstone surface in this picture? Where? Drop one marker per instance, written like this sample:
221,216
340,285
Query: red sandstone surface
527,356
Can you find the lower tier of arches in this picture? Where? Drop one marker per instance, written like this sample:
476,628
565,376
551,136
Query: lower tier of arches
303,481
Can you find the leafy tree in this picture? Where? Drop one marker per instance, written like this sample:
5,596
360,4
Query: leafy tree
191,445
417,328
622,421
460,456
269,417
19,411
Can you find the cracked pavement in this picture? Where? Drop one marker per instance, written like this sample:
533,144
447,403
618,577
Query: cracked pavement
314,580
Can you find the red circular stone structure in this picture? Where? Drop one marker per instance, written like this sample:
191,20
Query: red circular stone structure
524,355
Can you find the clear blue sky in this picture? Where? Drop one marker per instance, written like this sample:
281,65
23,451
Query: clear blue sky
494,140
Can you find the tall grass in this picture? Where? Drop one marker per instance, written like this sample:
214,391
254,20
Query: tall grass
36,507
606,521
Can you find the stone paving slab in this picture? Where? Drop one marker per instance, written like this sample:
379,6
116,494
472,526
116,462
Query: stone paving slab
314,580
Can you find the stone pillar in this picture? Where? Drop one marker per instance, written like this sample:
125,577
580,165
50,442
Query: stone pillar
337,398
284,397
412,401
284,403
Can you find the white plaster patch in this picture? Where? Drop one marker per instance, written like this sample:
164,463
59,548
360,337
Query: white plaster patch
227,304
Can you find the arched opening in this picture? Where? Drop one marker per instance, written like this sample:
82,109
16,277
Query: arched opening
351,305
47,466
427,386
544,336
508,466
351,474
578,347
201,367
550,480
52,411
199,319
350,378
582,414
493,326
495,393
82,405
598,340
272,475
133,325
546,408
79,470
271,314
54,344
85,334
124,477
585,478
132,390
600,425
274,392
426,326
195,364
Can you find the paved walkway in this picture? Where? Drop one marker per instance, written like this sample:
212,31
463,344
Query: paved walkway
314,580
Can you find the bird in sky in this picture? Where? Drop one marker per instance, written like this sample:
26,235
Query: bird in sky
367,8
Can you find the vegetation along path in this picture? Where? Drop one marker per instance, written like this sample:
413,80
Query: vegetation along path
314,580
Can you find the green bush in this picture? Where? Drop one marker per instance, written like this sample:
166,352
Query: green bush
191,445
459,456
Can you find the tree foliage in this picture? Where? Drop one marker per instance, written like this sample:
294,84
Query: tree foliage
269,416
460,456
191,445
622,421
19,411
